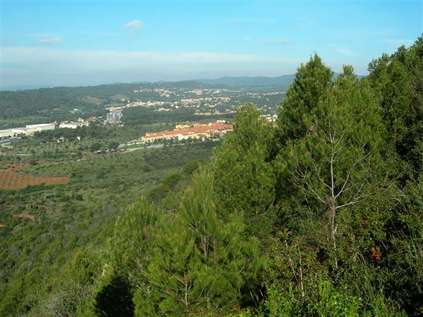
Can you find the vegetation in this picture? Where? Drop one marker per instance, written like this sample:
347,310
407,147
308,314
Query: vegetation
57,103
320,214
48,232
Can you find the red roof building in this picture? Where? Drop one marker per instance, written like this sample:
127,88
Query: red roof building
196,131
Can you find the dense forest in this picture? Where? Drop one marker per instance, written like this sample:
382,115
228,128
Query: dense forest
320,214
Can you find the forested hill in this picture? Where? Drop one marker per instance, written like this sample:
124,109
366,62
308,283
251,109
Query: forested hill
60,103
60,100
320,214
281,82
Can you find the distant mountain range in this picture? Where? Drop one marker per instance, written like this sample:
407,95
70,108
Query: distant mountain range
280,82
259,82
254,81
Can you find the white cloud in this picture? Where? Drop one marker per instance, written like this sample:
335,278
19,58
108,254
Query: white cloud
46,39
134,25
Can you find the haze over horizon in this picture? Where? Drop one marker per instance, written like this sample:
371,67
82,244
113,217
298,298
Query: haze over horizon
75,43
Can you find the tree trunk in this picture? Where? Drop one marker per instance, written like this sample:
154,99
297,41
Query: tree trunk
332,222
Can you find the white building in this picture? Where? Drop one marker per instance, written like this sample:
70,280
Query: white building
28,130
6,133
114,116
33,128
72,124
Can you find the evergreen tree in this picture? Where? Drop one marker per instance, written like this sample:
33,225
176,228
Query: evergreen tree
201,259
398,81
403,256
320,215
311,82
131,239
336,176
243,179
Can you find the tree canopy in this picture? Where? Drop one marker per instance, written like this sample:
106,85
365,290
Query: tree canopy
317,214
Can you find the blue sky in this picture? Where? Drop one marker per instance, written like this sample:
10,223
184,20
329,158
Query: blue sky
65,42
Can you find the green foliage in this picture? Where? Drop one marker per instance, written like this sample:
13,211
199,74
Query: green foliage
139,115
199,260
404,251
311,82
243,179
166,187
281,304
332,302
132,235
47,265
398,79
320,215
338,164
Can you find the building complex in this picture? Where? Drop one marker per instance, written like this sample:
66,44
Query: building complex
31,129
185,132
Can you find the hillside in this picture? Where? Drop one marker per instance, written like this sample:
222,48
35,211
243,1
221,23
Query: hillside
316,214
42,105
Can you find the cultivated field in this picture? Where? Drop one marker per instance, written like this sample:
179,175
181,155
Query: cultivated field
10,178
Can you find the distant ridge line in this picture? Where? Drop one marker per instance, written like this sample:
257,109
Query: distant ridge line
232,81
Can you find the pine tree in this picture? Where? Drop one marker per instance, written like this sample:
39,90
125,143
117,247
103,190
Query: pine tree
133,233
336,175
311,82
404,253
398,81
200,260
243,178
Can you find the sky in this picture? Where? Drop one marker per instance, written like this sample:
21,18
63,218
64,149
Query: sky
84,42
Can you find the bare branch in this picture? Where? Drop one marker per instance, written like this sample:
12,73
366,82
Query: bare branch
317,170
332,189
357,196
347,204
291,263
349,174
314,192
345,184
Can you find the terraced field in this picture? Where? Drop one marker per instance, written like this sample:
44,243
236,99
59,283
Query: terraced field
10,178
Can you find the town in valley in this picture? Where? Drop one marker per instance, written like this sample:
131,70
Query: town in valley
198,114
